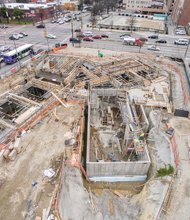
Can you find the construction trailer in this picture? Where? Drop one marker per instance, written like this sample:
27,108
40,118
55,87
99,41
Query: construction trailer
116,145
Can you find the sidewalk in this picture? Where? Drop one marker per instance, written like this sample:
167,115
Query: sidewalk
171,27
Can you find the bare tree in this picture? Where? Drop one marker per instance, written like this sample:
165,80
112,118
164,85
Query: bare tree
131,21
96,10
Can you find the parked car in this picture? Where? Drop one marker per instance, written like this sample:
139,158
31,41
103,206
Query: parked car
40,26
20,35
24,34
181,42
87,39
77,30
124,36
161,41
153,36
104,36
4,26
4,48
97,37
58,20
67,19
14,37
88,34
180,32
153,47
51,36
53,21
61,22
180,29
75,40
39,51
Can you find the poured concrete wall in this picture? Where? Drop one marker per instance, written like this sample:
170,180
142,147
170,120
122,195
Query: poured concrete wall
117,168
144,119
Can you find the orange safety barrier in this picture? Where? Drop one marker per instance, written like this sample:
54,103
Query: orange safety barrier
56,49
13,70
33,58
175,152
174,147
2,146
182,80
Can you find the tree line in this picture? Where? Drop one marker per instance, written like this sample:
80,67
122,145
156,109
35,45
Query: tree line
17,13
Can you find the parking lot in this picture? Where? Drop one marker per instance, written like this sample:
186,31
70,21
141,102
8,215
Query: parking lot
63,33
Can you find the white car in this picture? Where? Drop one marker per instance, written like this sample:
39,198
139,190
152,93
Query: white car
67,19
181,42
51,36
4,48
88,34
58,20
61,22
153,47
1,59
20,35
17,36
181,32
124,36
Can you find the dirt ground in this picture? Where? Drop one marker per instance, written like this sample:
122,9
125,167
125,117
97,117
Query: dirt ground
39,147
180,197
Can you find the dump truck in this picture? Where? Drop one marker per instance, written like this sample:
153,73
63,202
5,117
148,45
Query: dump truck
132,41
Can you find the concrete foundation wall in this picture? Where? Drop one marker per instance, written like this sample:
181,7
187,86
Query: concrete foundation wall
117,168
144,119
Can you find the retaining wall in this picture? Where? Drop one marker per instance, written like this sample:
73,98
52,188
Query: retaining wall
117,168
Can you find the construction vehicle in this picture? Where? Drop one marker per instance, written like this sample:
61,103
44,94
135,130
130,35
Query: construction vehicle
133,41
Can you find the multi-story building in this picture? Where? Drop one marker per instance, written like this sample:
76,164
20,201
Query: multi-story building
180,13
135,4
146,6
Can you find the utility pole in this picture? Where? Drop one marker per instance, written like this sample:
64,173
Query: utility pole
17,54
81,19
45,35
72,32
187,48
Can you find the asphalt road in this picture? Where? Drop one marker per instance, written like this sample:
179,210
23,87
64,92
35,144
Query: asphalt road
63,33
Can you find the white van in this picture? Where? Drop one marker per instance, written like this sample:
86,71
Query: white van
181,42
88,34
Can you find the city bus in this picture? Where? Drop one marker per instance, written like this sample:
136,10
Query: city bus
20,52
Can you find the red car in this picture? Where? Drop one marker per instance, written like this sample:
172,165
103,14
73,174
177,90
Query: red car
97,37
104,36
87,39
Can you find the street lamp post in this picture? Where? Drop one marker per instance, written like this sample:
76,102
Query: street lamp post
17,54
72,32
45,35
81,22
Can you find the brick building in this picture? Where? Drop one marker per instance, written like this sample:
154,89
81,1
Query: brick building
32,11
181,12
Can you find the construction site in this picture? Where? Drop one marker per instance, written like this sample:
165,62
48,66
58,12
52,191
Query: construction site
85,137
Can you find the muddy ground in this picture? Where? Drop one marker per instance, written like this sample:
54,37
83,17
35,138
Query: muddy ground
40,147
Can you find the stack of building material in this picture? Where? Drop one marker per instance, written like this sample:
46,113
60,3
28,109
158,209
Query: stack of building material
27,114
